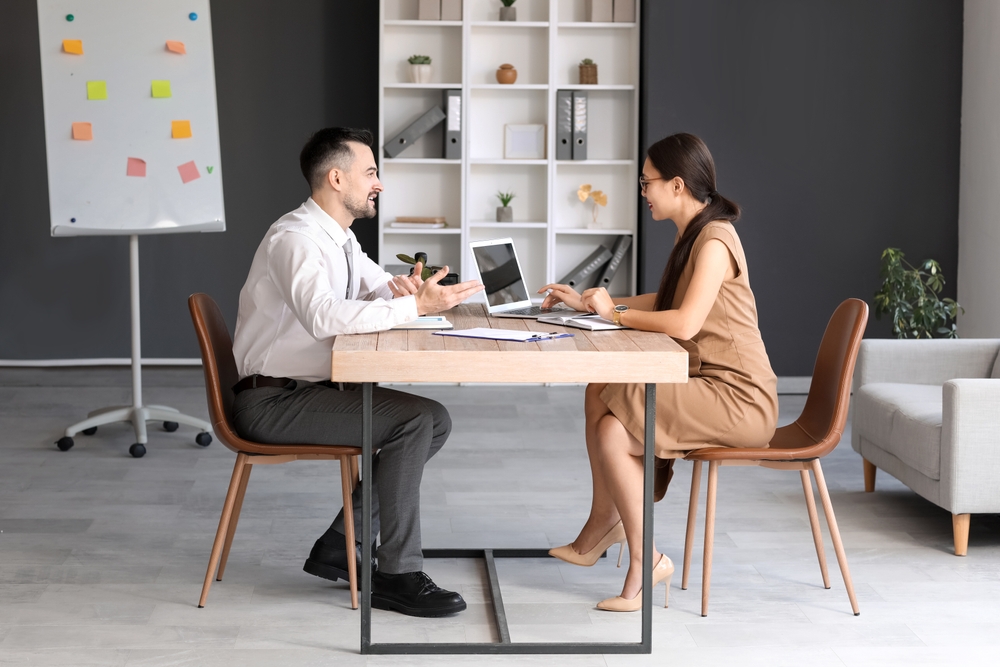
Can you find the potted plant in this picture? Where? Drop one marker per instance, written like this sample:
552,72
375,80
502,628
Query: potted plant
588,72
508,12
428,271
910,295
505,213
420,69
599,198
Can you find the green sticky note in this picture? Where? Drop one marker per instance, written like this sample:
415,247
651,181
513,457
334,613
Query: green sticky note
161,89
97,90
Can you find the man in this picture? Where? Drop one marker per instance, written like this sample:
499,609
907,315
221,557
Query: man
308,283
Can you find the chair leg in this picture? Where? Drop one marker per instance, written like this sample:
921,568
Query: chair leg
235,520
960,526
814,523
352,567
355,475
870,471
831,522
220,535
692,519
706,568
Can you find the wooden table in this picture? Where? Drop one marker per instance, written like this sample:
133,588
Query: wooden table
421,356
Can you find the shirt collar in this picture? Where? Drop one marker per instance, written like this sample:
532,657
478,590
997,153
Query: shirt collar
329,225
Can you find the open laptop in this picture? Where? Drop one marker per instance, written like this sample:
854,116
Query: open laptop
506,293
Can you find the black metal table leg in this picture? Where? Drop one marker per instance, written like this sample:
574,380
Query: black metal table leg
366,510
647,519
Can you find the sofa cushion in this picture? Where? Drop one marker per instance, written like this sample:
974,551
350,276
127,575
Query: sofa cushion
904,420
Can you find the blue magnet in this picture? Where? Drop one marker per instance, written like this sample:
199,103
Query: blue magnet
72,219
70,17
193,16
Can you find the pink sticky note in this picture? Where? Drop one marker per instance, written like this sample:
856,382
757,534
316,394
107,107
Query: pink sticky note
188,171
136,167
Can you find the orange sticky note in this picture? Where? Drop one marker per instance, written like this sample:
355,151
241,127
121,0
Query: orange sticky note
83,131
136,167
188,172
180,129
175,47
74,46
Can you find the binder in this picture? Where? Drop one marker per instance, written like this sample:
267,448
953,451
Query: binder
564,124
579,125
583,275
451,10
429,10
453,125
624,11
617,254
599,11
417,129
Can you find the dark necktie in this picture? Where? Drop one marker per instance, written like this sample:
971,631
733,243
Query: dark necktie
350,266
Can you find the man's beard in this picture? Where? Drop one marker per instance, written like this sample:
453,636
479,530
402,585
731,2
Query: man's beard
359,208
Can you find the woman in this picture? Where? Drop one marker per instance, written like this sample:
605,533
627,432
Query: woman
704,301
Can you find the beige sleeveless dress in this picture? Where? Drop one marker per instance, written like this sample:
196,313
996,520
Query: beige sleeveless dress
730,398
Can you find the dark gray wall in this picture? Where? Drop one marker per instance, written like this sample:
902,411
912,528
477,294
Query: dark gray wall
283,70
835,123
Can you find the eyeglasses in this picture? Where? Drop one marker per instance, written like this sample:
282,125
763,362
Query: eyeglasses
644,183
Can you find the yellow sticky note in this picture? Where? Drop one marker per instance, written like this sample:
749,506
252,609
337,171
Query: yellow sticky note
175,47
74,46
161,89
180,129
97,90
83,131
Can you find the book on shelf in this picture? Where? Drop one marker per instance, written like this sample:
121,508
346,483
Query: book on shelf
418,222
591,322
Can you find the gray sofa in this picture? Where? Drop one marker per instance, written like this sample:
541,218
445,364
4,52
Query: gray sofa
928,413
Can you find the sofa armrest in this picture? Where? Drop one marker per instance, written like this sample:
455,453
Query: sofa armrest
970,446
924,361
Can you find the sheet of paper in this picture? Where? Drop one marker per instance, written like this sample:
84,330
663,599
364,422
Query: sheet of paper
188,171
136,167
74,46
516,335
175,47
97,90
161,89
83,131
180,129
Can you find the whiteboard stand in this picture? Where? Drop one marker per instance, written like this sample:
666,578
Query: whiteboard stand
137,413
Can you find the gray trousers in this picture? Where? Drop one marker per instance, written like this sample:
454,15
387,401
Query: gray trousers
407,431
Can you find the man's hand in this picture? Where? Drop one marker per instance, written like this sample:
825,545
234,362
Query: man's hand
434,298
407,285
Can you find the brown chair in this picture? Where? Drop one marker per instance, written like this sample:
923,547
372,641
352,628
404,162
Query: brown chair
798,446
220,376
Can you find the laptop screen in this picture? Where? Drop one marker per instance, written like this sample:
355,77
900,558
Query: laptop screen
501,274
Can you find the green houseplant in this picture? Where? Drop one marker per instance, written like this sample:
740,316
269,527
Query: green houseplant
910,295
420,69
505,213
508,12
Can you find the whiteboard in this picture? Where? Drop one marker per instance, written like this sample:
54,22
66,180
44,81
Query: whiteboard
124,44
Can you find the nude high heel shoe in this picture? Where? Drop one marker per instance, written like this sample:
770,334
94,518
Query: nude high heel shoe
569,554
664,570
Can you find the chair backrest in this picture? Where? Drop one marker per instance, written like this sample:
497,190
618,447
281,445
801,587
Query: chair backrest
825,414
219,364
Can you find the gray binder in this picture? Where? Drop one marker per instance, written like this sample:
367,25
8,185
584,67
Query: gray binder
417,129
564,124
617,255
579,125
583,275
453,125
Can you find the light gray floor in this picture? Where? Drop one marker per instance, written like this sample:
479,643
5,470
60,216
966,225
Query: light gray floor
102,556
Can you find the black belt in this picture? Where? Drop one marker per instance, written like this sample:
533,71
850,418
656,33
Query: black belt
255,381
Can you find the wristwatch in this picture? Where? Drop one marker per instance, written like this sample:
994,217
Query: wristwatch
616,316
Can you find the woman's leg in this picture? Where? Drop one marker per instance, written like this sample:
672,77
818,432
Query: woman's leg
619,457
603,514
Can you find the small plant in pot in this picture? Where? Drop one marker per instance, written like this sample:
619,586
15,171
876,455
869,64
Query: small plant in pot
596,196
428,271
420,69
508,12
588,72
910,295
505,213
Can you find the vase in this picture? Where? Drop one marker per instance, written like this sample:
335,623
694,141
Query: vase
508,13
588,74
505,214
506,73
420,73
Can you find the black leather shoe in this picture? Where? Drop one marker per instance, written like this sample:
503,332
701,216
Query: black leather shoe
413,594
328,559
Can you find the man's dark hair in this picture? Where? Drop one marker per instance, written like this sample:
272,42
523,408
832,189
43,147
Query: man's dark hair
328,149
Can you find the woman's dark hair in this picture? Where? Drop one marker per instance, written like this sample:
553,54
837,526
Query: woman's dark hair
687,156
327,149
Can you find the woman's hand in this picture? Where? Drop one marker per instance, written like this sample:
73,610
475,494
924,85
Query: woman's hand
597,300
562,294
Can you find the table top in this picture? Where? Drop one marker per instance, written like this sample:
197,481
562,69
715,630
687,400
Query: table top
417,355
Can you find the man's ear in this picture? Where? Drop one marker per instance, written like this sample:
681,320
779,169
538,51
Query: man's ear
335,179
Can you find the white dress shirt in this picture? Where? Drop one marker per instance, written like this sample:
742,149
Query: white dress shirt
293,304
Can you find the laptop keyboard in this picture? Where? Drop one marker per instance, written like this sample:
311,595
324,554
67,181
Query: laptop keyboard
530,310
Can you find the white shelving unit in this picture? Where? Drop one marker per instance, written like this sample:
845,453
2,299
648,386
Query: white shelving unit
551,227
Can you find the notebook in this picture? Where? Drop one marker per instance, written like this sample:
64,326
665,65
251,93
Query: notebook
500,272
